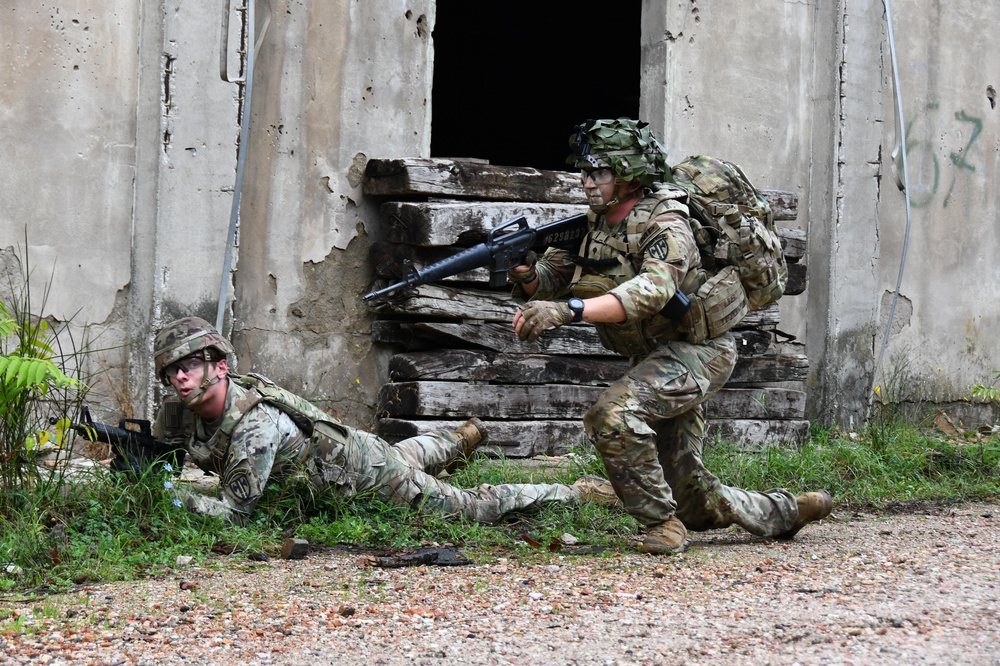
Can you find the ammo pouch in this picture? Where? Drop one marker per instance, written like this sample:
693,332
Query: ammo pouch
716,307
626,339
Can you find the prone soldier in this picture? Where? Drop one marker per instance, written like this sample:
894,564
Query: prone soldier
248,431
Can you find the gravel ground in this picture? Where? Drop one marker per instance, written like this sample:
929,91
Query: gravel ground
910,588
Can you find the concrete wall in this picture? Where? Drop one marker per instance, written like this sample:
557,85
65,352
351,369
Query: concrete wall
120,156
120,146
337,82
801,95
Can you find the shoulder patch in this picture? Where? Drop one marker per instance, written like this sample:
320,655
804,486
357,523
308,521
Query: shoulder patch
238,484
660,249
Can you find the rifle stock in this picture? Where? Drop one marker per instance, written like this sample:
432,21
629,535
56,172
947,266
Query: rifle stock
506,246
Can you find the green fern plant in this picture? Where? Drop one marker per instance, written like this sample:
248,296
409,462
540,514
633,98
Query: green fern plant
28,375
35,389
987,393
28,372
34,372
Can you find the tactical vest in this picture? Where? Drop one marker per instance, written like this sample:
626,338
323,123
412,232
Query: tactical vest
325,456
607,261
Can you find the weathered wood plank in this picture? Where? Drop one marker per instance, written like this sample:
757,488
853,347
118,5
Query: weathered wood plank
488,367
474,179
560,401
756,403
753,370
390,264
435,301
469,180
575,340
511,401
524,439
448,302
401,335
390,260
443,224
512,439
433,224
796,279
793,244
784,204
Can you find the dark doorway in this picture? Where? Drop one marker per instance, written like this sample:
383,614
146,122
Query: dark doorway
511,79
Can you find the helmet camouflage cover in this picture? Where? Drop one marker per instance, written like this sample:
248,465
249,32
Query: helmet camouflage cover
625,146
184,337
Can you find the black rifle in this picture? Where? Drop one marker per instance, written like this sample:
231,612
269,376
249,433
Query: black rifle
506,246
132,443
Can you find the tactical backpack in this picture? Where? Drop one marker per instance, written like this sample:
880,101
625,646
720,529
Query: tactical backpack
739,244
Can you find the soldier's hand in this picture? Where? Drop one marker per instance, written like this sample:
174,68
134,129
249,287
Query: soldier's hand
525,273
539,316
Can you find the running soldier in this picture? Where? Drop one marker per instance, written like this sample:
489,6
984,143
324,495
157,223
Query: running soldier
649,425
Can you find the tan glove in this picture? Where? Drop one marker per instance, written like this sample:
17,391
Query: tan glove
525,273
541,316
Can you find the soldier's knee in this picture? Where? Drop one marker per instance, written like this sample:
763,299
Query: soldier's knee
601,420
608,410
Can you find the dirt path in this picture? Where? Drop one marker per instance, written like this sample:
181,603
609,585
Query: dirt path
918,588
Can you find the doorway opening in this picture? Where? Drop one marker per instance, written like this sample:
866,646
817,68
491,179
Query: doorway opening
511,80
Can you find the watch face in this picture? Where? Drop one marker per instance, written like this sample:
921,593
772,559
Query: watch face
576,305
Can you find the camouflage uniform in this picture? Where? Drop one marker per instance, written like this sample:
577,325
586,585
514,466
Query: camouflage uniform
256,440
649,425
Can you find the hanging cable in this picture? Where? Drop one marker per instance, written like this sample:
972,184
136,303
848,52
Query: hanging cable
241,158
904,186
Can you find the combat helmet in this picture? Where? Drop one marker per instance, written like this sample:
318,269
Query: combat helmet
184,337
625,146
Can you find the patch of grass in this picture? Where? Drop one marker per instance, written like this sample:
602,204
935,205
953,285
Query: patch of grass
903,463
98,528
107,528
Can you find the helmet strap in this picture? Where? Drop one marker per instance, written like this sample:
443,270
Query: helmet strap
206,383
618,198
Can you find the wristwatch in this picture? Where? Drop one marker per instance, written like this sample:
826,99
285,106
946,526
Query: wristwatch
576,307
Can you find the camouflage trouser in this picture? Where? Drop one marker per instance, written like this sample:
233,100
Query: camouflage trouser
407,478
649,427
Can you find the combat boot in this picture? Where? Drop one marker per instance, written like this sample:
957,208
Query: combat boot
665,538
595,489
812,507
470,436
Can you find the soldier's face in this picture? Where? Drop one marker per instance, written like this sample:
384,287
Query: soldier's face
195,378
599,186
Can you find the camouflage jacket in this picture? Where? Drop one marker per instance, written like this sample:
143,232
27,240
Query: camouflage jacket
260,438
642,261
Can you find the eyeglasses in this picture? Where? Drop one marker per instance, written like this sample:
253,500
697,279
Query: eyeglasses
599,176
188,365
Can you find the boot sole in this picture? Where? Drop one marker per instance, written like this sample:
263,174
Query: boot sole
643,548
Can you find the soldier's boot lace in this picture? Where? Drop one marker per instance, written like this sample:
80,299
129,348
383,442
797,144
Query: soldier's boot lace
595,489
812,507
470,435
664,539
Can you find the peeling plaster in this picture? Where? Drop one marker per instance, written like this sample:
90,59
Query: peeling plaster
901,317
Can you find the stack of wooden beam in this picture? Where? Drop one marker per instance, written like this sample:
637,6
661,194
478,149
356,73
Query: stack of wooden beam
457,353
